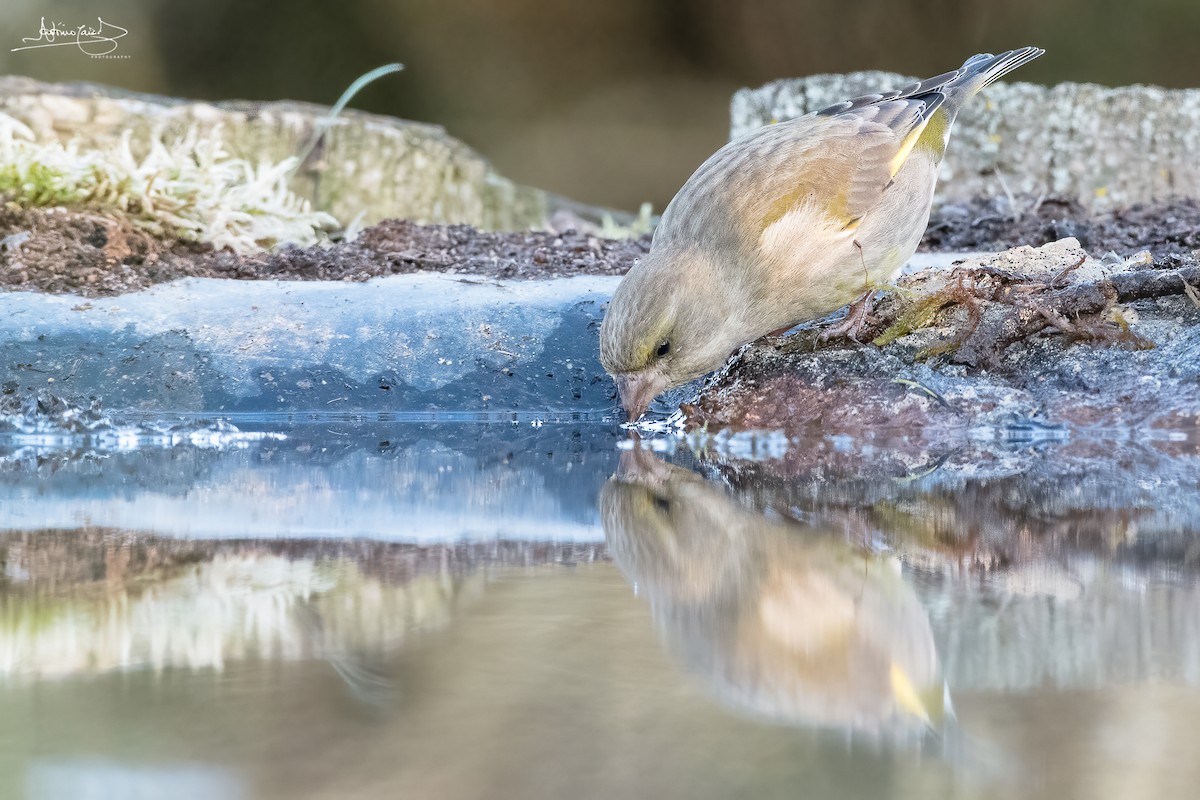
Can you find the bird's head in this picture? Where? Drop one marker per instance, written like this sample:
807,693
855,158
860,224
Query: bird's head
669,322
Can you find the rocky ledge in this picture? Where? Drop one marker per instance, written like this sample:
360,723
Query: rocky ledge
1046,336
406,317
1090,322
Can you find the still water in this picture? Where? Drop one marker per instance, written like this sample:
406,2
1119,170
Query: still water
382,609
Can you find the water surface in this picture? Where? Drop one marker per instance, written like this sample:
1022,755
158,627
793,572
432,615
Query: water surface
376,608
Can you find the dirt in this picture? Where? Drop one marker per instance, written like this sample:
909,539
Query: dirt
93,254
995,224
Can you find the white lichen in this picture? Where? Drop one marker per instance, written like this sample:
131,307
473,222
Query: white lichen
189,187
640,225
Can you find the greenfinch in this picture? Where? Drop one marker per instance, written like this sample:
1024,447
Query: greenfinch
785,225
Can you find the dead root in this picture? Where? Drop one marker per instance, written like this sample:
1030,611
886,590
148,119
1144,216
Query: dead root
1002,308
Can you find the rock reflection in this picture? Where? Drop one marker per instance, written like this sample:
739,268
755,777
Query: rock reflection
88,601
781,620
1070,563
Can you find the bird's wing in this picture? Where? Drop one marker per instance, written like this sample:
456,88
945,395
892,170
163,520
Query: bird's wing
838,164
860,146
868,139
922,112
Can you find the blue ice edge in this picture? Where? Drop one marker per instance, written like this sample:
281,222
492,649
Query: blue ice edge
417,408
410,344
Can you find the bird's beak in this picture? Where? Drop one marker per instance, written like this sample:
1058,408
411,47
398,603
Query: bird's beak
637,389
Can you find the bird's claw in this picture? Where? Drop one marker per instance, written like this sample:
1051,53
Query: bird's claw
854,323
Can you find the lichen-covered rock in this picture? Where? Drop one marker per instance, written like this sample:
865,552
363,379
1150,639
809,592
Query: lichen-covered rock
366,164
1102,147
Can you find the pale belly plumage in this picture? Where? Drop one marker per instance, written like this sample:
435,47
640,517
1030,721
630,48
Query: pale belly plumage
803,276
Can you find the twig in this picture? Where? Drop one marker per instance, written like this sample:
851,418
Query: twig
1054,318
1012,201
1038,203
925,389
1058,279
1192,294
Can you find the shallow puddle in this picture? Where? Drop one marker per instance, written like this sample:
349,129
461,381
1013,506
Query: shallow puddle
371,608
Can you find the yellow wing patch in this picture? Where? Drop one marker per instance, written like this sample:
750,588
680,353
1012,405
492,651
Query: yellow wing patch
780,207
930,134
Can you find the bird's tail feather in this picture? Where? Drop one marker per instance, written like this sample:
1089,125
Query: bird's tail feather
985,68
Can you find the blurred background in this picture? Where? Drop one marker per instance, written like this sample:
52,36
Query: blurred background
612,102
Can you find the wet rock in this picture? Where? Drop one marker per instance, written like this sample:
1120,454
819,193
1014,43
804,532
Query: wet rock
1046,337
1100,147
413,340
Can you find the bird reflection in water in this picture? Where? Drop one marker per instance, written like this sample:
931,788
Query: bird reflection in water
782,620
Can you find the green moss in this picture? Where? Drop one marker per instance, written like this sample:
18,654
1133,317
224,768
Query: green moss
918,315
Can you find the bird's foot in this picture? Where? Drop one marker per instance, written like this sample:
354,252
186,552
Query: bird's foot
854,323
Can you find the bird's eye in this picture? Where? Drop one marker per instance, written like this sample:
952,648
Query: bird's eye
663,349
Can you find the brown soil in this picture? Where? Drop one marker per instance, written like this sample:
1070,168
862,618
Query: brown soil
59,250
89,253
992,225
